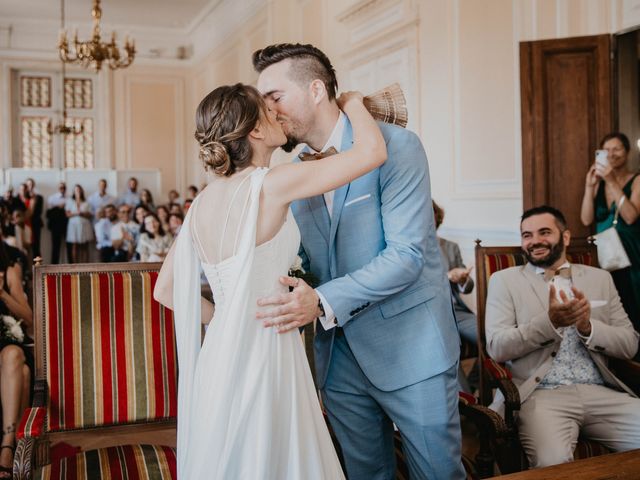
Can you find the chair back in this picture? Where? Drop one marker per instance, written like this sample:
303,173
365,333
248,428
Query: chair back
105,349
491,259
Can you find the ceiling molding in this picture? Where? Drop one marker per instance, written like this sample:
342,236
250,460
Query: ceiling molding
36,38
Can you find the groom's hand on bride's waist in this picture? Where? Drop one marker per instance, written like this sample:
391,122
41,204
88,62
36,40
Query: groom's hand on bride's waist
286,311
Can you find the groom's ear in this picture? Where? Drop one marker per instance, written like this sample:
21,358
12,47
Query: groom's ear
318,91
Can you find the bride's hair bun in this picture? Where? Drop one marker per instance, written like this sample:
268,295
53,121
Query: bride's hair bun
214,156
224,120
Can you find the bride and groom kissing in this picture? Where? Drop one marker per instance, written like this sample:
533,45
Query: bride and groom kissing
386,344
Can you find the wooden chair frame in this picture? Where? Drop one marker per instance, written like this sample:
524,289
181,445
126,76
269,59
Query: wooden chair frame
32,453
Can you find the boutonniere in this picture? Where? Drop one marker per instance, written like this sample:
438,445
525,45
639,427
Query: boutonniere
297,271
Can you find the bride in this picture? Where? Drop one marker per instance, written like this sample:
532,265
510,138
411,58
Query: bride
247,406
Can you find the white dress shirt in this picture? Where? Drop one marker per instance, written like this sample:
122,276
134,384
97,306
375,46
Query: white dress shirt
335,141
57,200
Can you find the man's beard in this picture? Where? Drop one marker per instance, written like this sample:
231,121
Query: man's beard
555,252
292,143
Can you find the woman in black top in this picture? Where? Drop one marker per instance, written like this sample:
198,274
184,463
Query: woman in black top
16,360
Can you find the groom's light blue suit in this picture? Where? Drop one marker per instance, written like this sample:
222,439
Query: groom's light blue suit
378,262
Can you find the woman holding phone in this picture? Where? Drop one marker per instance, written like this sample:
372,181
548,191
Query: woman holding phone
609,187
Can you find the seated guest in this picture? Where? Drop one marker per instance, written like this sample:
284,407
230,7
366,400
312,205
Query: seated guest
22,235
192,192
103,232
130,197
173,196
460,282
124,234
12,203
187,205
100,198
57,221
138,215
154,243
146,200
175,208
16,362
555,324
175,222
163,215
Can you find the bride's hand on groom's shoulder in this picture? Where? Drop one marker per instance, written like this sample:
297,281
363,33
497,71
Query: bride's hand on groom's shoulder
286,311
347,97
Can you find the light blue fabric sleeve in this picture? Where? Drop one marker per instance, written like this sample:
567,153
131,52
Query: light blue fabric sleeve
405,197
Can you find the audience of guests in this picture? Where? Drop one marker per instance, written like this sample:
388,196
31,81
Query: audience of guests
79,228
131,196
154,243
16,361
555,324
57,221
100,198
609,188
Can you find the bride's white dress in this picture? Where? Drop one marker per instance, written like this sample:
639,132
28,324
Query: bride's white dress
247,405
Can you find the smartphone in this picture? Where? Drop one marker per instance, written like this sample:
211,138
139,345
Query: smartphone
602,158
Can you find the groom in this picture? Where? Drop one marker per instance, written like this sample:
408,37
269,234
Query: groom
386,345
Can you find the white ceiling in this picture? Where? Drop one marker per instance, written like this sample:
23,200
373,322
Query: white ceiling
178,14
162,29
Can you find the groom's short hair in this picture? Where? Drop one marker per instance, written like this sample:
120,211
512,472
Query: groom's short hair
308,64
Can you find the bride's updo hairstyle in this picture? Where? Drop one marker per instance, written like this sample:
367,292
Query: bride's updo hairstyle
224,119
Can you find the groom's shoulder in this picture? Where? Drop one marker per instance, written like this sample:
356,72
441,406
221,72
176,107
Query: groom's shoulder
394,133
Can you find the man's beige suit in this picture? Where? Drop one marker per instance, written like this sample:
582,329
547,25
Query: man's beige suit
519,331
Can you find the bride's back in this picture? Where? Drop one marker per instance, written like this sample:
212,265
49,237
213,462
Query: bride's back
220,214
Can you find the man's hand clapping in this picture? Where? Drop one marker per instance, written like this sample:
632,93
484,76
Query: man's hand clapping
575,311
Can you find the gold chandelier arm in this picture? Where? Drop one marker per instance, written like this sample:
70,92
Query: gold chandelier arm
94,52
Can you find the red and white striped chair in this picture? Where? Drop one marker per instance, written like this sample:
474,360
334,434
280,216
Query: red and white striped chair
106,369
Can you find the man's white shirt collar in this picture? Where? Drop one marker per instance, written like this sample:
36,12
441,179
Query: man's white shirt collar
335,139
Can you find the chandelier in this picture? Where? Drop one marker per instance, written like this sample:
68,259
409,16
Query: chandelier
93,52
64,127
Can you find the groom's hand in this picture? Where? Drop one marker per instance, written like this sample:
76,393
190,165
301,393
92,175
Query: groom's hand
289,310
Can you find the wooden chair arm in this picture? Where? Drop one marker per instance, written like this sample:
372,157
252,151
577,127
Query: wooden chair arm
501,379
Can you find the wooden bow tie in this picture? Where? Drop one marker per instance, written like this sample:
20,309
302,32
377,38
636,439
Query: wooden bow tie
562,272
306,156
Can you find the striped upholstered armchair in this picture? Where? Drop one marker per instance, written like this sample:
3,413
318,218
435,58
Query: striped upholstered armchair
505,442
106,373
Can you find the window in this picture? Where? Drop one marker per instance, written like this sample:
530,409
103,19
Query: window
42,99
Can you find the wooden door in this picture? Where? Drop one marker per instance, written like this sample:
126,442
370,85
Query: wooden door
566,96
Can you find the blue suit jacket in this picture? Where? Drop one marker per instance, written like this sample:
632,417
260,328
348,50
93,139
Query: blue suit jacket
379,266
